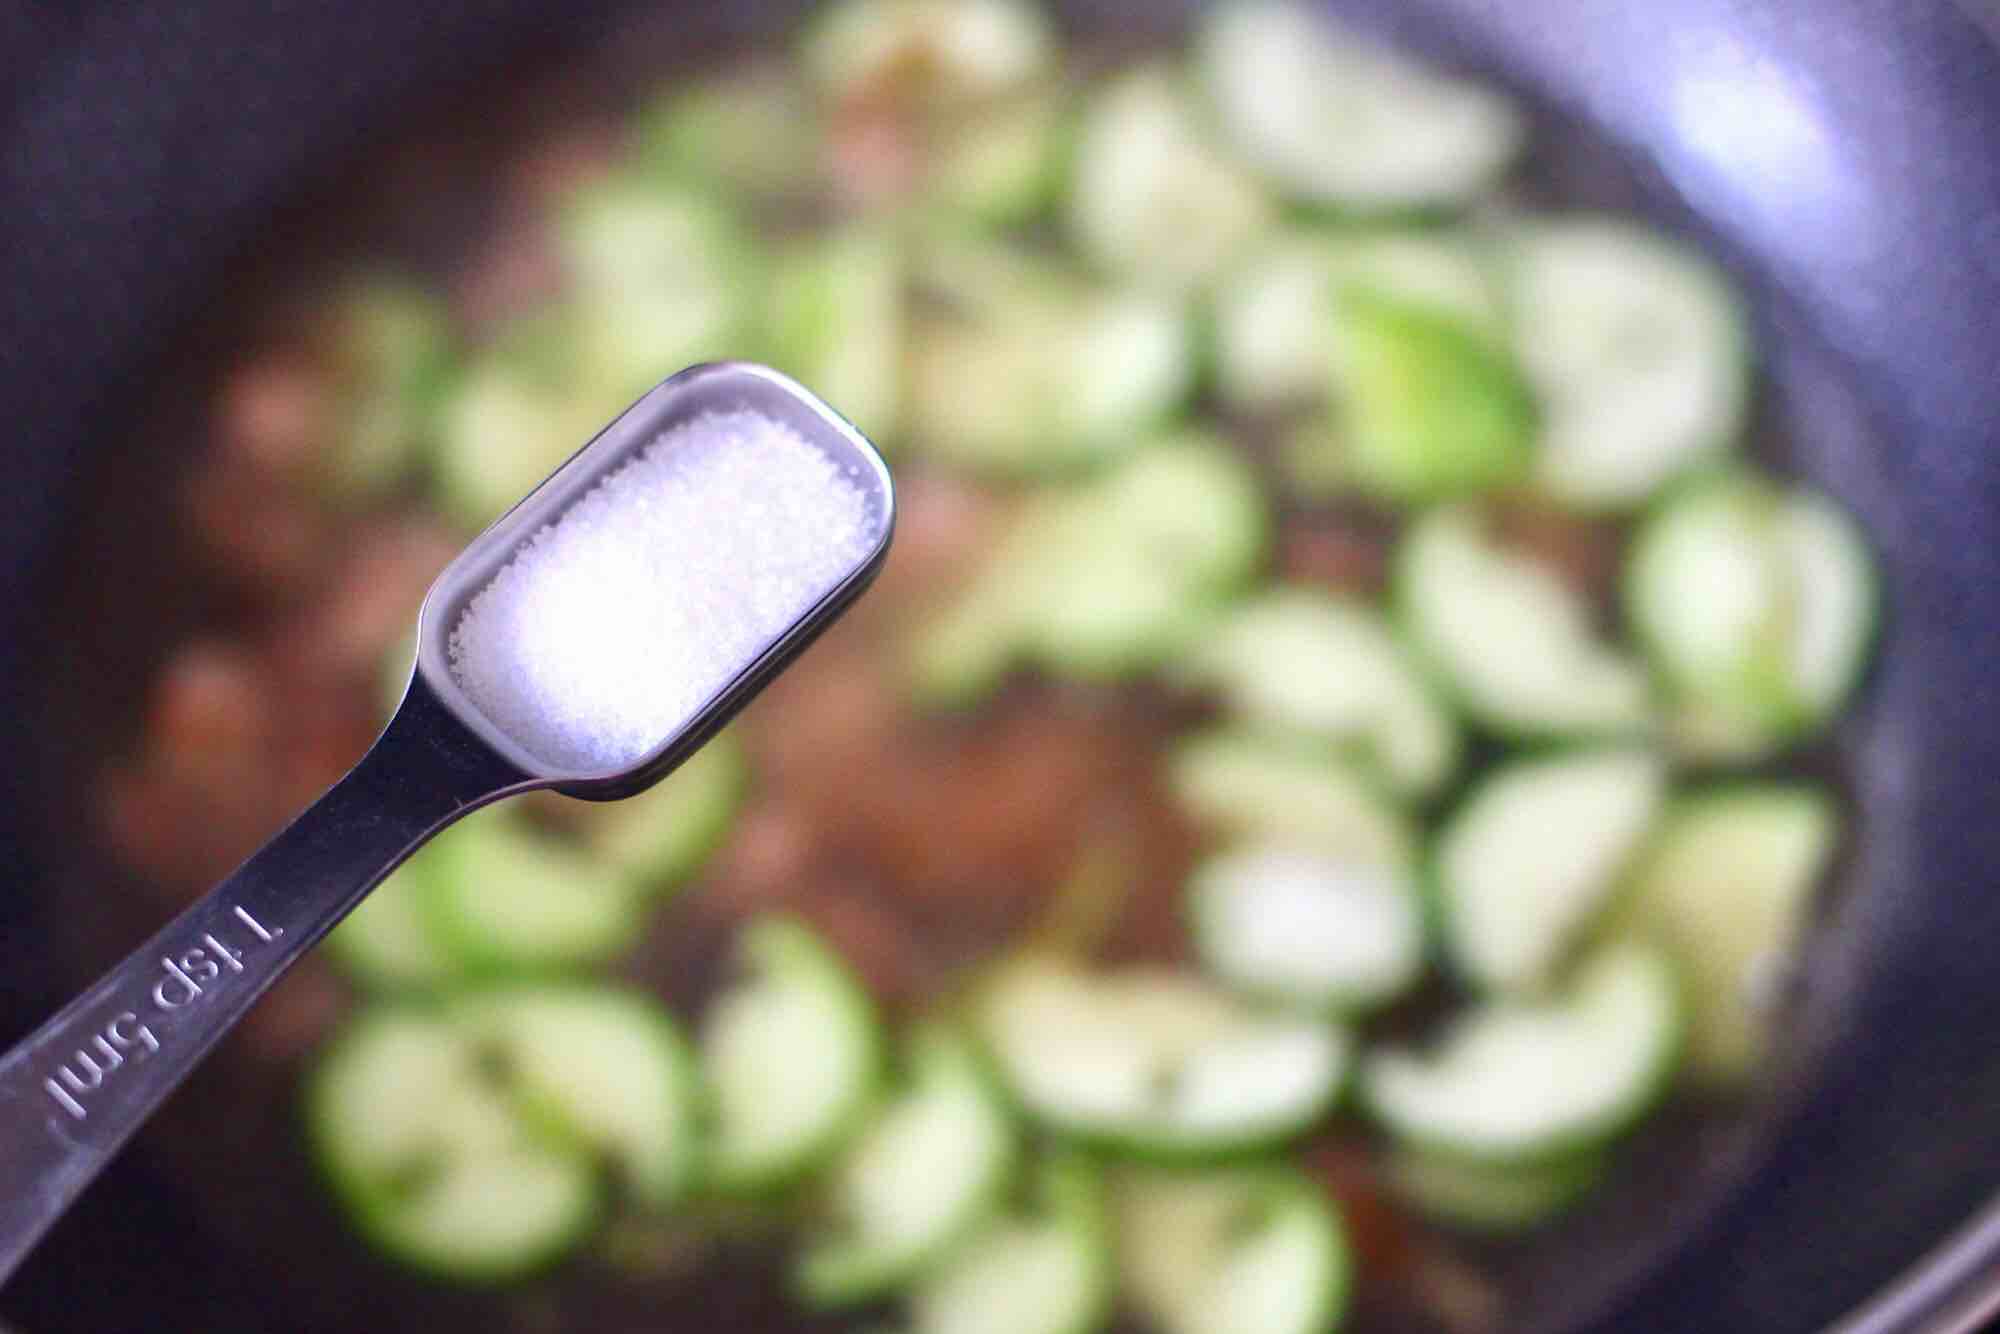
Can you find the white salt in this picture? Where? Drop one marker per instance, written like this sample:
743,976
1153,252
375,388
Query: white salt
611,627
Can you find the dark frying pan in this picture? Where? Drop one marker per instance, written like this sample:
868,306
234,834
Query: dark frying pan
1840,154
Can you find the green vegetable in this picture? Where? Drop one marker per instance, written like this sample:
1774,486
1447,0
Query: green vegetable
1427,408
1534,854
1757,603
1299,661
1726,886
1514,642
923,1176
1157,1064
790,1054
1152,200
1255,1251
1521,1081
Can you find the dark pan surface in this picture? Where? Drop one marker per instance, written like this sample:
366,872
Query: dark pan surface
1835,153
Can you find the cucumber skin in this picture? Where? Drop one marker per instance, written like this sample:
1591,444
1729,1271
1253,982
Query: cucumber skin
1437,895
1478,1198
778,1178
1703,1070
1526,741
1653,1091
1782,728
365,1205
865,1283
1341,1005
1290,1187
1169,1152
642,1010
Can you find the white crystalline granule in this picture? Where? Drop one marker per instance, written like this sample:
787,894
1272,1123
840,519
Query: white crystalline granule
612,626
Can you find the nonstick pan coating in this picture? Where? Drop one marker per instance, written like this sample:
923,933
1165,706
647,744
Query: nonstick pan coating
1836,153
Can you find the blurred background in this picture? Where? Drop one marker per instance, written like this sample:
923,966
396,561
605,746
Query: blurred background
1370,741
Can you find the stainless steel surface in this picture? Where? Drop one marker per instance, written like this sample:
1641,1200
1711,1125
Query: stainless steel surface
77,1088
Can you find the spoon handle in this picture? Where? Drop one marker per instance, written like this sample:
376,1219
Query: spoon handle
73,1092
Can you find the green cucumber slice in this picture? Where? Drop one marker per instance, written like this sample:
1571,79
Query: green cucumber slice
1757,603
393,353
1106,578
1299,661
1532,1080
1241,784
1029,368
431,1163
502,428
1479,1197
1427,408
387,941
1278,319
1041,1268
606,1066
1514,641
1333,119
1157,1064
665,277
661,837
504,898
1151,199
1255,1251
791,1054
752,129
1534,854
835,323
1726,886
933,54
922,1176
1638,352
1006,164
1306,928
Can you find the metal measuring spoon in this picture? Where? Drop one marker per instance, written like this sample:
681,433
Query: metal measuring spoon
77,1088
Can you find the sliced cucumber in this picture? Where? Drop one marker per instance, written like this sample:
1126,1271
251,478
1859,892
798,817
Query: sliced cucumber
1758,605
1005,164
1726,886
1278,315
1152,200
1483,1198
1535,853
1307,928
1029,368
1513,640
1254,1251
1296,660
432,1163
1334,119
1638,352
1533,1080
922,1176
503,898
665,278
1041,1268
1241,784
1105,578
835,323
393,353
791,1053
605,1066
752,129
387,941
503,427
933,54
662,836
1428,409
1155,1063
